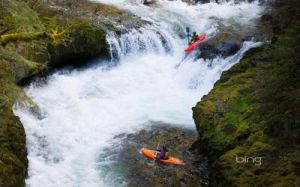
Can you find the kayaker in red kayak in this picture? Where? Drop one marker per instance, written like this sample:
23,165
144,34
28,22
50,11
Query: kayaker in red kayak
195,38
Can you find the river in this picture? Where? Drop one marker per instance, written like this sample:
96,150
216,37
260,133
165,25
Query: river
82,110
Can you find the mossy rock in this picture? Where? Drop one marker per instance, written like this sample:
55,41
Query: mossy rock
254,110
17,17
13,154
85,41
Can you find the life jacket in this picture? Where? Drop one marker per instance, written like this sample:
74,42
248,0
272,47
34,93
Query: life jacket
162,154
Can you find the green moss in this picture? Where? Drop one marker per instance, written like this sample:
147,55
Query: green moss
19,66
259,148
258,136
231,119
253,110
35,51
18,17
86,42
56,36
25,31
243,104
5,38
243,129
209,106
222,141
13,161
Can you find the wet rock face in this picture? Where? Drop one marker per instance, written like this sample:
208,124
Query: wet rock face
212,50
253,111
229,40
82,37
105,16
148,2
137,170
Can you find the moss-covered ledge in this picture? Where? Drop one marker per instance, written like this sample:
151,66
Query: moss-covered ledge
13,154
83,42
253,112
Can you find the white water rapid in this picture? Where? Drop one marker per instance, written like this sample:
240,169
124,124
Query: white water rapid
83,110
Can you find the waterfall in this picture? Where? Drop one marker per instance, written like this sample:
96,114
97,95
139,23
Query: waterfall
146,39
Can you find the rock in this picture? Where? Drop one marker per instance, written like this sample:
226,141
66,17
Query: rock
209,50
107,17
253,111
85,42
13,152
193,2
137,170
148,2
19,66
228,48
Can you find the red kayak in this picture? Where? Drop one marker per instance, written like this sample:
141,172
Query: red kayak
193,45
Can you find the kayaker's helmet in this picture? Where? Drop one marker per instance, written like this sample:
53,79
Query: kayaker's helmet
164,147
194,33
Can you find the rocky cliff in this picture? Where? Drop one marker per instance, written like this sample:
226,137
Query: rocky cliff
249,124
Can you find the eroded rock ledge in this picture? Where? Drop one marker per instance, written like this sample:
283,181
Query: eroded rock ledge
253,111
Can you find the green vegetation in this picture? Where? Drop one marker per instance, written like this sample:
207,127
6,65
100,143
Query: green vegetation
80,38
59,33
33,37
13,154
253,111
13,161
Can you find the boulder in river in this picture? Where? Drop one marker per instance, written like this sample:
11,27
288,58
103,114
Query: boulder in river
127,164
148,2
210,50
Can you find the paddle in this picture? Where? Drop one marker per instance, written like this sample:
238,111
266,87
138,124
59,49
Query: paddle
177,66
188,33
188,37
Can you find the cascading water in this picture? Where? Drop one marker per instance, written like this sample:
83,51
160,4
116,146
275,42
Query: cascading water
145,40
83,110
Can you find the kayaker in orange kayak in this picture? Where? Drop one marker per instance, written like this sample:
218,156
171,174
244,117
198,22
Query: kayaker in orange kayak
162,154
158,154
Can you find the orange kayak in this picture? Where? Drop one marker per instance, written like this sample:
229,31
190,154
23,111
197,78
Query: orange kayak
152,155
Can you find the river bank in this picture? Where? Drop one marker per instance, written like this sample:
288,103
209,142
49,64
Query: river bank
249,123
